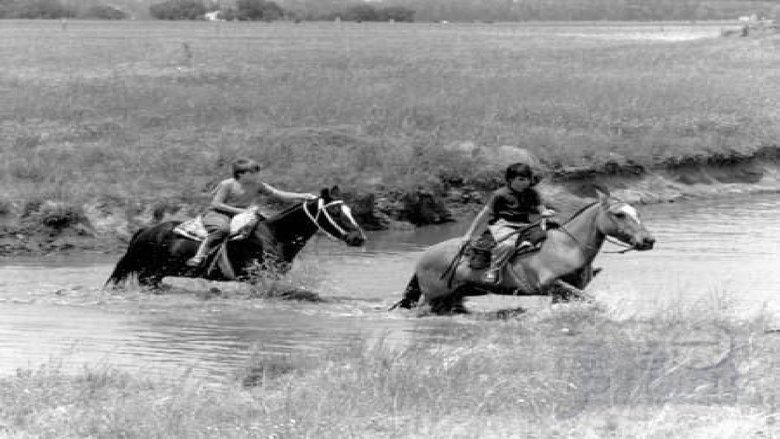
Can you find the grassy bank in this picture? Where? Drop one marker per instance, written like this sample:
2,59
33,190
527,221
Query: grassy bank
102,120
145,110
570,373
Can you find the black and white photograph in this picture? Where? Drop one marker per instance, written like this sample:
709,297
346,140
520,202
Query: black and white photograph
391,219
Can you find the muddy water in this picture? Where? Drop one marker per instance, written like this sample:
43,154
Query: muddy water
721,254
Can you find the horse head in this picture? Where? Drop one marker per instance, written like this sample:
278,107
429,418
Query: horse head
621,221
333,217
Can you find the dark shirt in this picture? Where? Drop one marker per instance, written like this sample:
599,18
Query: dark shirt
514,206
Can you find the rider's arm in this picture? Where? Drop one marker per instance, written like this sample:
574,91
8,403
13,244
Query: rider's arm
289,197
218,202
541,209
545,211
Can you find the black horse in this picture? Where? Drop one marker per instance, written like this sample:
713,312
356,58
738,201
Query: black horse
157,251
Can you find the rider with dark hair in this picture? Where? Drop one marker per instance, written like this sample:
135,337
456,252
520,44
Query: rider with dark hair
508,210
233,196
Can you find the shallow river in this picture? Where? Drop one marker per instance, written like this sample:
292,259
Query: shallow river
711,255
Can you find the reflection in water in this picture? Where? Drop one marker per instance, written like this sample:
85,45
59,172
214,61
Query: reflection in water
707,251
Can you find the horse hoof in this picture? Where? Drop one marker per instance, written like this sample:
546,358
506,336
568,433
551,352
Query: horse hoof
405,304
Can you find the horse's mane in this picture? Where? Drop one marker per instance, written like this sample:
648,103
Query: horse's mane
588,206
579,212
284,213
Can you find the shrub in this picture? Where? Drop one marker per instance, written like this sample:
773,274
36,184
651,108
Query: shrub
366,12
6,206
396,13
40,9
253,10
361,13
6,8
228,14
105,12
178,10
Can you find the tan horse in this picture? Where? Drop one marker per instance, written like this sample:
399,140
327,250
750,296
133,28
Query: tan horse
564,259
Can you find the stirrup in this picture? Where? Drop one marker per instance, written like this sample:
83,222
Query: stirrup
195,261
490,276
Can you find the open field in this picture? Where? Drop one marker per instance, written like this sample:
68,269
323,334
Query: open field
146,110
571,372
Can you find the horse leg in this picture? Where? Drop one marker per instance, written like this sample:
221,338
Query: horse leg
150,279
564,292
457,306
449,304
579,280
411,295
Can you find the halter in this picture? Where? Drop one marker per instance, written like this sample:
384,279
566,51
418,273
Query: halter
322,208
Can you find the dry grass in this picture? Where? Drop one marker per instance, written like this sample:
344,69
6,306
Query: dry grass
701,376
156,109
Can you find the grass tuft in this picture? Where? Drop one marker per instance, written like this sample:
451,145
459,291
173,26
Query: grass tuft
708,376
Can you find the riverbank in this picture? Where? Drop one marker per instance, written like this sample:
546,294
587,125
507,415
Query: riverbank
567,372
48,226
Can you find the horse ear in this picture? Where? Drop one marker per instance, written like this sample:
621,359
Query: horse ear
335,192
602,192
325,194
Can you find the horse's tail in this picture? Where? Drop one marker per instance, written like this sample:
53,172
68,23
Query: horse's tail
128,265
411,296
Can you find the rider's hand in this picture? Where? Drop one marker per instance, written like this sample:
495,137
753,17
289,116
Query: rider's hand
308,197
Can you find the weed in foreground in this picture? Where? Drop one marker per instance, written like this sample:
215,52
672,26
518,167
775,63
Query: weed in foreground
713,377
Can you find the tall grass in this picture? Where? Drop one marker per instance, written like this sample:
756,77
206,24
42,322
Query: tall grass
150,109
570,372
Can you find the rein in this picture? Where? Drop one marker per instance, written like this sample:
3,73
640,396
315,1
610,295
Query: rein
322,208
522,229
626,247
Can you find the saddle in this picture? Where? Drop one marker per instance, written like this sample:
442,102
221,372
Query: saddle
479,251
241,225
219,265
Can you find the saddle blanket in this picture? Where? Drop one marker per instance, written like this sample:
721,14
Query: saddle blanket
240,226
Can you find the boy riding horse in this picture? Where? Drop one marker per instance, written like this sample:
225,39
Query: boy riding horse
507,216
237,195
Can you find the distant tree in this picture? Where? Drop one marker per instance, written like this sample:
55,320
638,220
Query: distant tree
228,14
178,10
396,13
41,9
255,10
361,12
105,12
6,8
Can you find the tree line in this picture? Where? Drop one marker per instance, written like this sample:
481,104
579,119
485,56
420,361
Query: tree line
59,9
268,10
396,10
587,10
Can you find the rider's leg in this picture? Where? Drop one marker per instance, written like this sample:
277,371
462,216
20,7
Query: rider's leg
501,254
505,235
218,227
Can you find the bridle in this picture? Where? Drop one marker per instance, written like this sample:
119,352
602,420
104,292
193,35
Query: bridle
610,239
322,209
